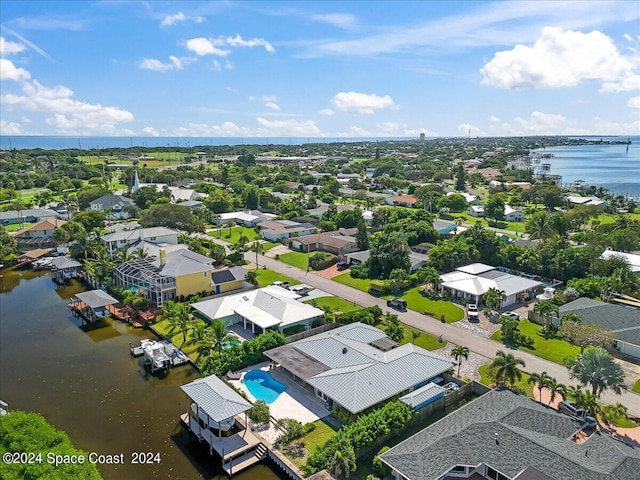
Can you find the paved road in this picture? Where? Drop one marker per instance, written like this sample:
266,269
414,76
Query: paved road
450,333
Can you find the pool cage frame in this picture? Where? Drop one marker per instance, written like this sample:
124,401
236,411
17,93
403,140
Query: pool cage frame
146,279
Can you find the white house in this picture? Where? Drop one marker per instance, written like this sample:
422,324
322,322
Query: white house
511,215
265,308
476,210
158,235
275,230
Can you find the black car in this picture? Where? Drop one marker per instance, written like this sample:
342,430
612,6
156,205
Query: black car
342,266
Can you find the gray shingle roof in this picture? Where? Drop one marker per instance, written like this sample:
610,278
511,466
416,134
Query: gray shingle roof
623,321
108,201
216,398
528,434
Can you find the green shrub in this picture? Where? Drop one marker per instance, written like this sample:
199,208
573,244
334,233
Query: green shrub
360,270
379,287
249,353
379,467
259,412
322,260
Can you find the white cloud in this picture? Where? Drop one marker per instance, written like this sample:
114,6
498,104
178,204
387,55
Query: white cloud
269,98
272,106
542,123
634,102
204,46
341,20
558,58
174,63
494,119
626,84
355,131
216,65
69,116
226,129
466,129
327,111
388,128
178,18
288,128
8,47
152,132
238,41
8,71
12,128
361,103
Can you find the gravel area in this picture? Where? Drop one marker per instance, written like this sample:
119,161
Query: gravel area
469,367
484,327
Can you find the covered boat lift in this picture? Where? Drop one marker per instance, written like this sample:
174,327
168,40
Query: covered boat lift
92,305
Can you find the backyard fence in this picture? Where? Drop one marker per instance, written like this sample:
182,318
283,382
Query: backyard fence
314,331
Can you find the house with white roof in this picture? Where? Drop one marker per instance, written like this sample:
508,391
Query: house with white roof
591,200
121,238
476,210
268,308
275,230
248,218
473,281
632,259
512,215
357,366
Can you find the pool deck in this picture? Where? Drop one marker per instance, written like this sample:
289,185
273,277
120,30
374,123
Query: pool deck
295,402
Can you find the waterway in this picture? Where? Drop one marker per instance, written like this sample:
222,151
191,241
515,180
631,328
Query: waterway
83,381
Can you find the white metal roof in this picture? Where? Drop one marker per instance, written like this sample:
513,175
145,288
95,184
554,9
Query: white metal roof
632,259
262,306
465,280
422,394
216,398
476,268
96,298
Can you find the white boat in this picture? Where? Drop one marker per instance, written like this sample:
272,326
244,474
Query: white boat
156,355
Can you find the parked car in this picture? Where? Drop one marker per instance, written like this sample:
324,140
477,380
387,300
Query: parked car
569,408
473,315
342,266
511,315
399,303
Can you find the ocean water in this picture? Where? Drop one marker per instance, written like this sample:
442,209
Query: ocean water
609,166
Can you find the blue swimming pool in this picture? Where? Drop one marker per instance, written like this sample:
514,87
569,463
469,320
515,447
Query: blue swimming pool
232,343
262,386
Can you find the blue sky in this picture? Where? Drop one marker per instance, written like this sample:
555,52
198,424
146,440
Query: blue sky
319,69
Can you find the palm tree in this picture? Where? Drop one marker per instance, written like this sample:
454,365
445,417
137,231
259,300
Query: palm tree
598,369
556,389
575,392
220,337
611,413
545,309
139,253
541,379
343,461
201,339
539,227
506,368
571,317
393,328
589,401
459,352
494,298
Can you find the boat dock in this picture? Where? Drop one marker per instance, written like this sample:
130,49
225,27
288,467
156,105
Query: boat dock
159,354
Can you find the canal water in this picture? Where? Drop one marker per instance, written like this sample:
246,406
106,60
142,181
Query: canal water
84,381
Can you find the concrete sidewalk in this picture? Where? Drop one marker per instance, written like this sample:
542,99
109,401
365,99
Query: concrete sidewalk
482,346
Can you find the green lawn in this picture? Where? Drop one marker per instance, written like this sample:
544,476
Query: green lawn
485,379
624,422
16,226
555,349
361,284
337,304
466,218
267,277
636,387
163,328
606,218
236,233
426,341
269,245
318,435
295,259
418,303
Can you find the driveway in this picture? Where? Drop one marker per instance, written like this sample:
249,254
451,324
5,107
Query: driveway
476,343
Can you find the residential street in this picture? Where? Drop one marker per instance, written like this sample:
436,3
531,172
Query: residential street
450,333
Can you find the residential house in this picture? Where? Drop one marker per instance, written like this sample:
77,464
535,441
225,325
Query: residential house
38,235
268,308
416,259
591,200
113,206
503,435
632,259
403,200
275,230
323,207
357,366
339,242
469,198
623,321
511,215
248,218
475,210
192,204
28,215
444,227
118,238
178,273
474,280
